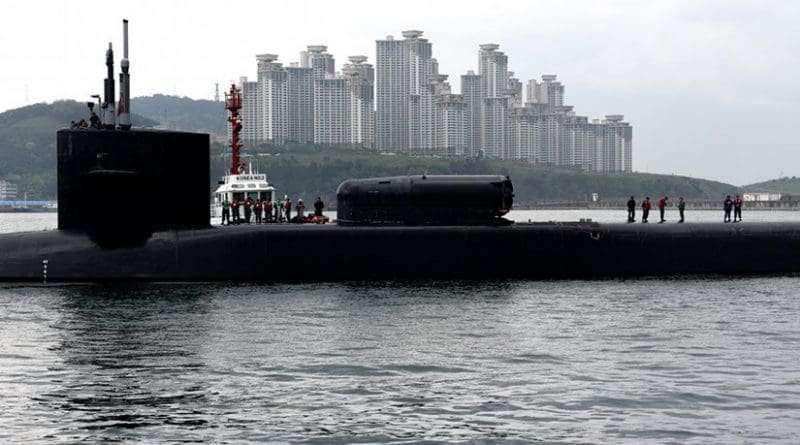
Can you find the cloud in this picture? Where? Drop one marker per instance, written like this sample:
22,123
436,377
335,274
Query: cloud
672,67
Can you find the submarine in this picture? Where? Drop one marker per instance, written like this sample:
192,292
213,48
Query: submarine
409,227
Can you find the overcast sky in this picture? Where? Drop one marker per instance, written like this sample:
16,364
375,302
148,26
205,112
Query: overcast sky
710,87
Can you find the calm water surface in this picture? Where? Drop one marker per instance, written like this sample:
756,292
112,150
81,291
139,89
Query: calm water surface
684,360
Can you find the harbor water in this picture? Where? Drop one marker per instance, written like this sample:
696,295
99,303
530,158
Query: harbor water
677,360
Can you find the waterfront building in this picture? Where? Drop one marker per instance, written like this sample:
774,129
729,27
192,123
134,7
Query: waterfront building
8,190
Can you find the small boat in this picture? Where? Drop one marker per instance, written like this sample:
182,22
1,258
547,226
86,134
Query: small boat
238,184
240,187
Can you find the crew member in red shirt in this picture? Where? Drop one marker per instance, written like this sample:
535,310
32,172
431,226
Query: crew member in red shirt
662,203
287,209
267,210
258,208
248,209
235,208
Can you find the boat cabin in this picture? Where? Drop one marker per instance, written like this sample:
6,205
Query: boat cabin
240,187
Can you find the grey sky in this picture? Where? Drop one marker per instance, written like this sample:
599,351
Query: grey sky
709,86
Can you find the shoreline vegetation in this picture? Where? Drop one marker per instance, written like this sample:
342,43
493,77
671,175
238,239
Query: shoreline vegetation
305,170
28,159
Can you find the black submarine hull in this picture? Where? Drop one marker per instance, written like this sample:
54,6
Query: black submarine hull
290,252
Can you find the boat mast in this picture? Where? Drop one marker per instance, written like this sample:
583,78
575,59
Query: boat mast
233,103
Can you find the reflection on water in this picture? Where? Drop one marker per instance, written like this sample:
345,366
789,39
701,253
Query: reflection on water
708,360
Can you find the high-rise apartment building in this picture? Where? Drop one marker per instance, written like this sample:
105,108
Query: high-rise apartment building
331,111
310,103
343,106
405,105
317,58
471,92
421,66
493,70
444,136
300,108
360,78
615,151
273,99
449,133
514,91
250,111
391,114
549,91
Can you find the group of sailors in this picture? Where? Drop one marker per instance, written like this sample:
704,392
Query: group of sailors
728,205
81,124
736,205
266,211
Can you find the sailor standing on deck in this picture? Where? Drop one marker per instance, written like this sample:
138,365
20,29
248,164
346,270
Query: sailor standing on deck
301,210
235,208
737,209
726,206
645,209
631,210
258,208
226,211
318,206
248,209
681,207
267,210
287,207
662,203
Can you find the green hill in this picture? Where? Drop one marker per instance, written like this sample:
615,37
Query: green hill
28,158
183,113
780,185
28,143
304,171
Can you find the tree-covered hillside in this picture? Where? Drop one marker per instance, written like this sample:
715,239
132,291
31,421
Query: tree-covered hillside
305,171
183,113
28,158
780,185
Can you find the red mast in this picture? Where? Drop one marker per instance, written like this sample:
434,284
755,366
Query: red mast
233,103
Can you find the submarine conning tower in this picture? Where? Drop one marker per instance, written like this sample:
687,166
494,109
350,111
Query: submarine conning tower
120,184
425,200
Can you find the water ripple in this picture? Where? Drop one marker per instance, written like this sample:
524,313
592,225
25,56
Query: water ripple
611,361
